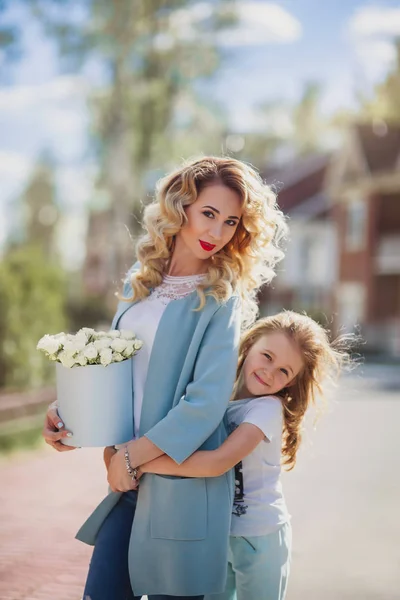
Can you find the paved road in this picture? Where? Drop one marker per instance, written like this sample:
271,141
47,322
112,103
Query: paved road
344,496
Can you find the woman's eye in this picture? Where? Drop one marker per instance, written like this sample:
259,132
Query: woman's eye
208,214
231,222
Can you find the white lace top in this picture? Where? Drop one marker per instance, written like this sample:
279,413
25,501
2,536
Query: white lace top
143,318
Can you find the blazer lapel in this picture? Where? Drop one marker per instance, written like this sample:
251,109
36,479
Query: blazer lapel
121,309
177,316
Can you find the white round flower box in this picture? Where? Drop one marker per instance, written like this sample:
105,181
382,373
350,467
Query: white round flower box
96,403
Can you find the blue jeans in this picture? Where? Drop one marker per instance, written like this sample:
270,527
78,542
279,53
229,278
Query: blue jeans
108,577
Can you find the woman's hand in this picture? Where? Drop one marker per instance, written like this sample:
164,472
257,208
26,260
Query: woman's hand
117,475
53,430
108,453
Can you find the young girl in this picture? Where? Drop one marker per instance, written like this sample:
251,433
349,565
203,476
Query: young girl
283,361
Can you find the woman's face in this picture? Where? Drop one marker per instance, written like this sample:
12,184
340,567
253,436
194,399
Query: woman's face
211,221
272,363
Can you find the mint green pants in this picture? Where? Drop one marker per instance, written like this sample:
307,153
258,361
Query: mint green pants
258,567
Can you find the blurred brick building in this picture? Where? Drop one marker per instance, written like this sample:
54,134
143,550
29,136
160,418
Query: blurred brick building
343,259
364,184
308,275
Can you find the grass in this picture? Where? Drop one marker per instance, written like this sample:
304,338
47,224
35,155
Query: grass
24,433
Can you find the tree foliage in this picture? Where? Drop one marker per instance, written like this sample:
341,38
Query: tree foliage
32,298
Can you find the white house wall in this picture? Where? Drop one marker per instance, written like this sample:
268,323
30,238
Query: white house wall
311,257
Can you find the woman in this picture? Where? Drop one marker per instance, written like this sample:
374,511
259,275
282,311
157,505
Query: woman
211,240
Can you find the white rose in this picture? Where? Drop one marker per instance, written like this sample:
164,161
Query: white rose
90,352
102,343
118,345
117,357
48,344
81,359
80,344
105,356
114,334
62,339
66,359
138,344
127,335
70,346
99,334
128,350
88,330
81,337
70,353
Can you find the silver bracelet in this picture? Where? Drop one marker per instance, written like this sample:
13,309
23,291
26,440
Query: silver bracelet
133,473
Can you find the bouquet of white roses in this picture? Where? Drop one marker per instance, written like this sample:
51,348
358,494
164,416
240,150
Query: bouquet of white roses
90,347
95,403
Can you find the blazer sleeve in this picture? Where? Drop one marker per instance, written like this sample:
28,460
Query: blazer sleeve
199,412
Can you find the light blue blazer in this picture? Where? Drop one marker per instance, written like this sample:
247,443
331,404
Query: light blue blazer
180,532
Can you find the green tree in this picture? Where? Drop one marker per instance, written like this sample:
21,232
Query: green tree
308,124
385,102
149,53
32,299
37,211
10,40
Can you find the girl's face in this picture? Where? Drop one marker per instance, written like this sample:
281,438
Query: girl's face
211,222
272,364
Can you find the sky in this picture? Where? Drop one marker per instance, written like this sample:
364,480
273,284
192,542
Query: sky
276,48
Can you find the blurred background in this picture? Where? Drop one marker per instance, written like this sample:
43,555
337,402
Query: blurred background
100,98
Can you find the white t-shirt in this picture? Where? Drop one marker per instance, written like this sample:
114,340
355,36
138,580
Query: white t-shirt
259,507
143,319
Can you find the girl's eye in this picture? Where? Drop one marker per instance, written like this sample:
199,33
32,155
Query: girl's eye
267,355
231,223
285,372
208,214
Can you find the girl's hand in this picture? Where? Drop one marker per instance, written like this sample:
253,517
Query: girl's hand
117,476
54,431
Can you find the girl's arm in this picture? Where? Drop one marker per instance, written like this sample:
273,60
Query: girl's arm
211,463
186,426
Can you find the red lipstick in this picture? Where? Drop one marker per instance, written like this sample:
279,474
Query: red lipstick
206,246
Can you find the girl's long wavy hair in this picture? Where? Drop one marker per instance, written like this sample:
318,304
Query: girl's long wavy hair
245,263
322,360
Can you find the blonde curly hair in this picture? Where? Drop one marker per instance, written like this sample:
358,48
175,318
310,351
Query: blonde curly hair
323,360
249,258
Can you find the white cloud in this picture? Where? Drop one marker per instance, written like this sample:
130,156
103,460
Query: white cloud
372,21
54,113
14,166
261,23
371,31
376,56
258,23
20,98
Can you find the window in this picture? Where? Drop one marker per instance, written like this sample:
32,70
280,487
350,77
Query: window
351,297
356,225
